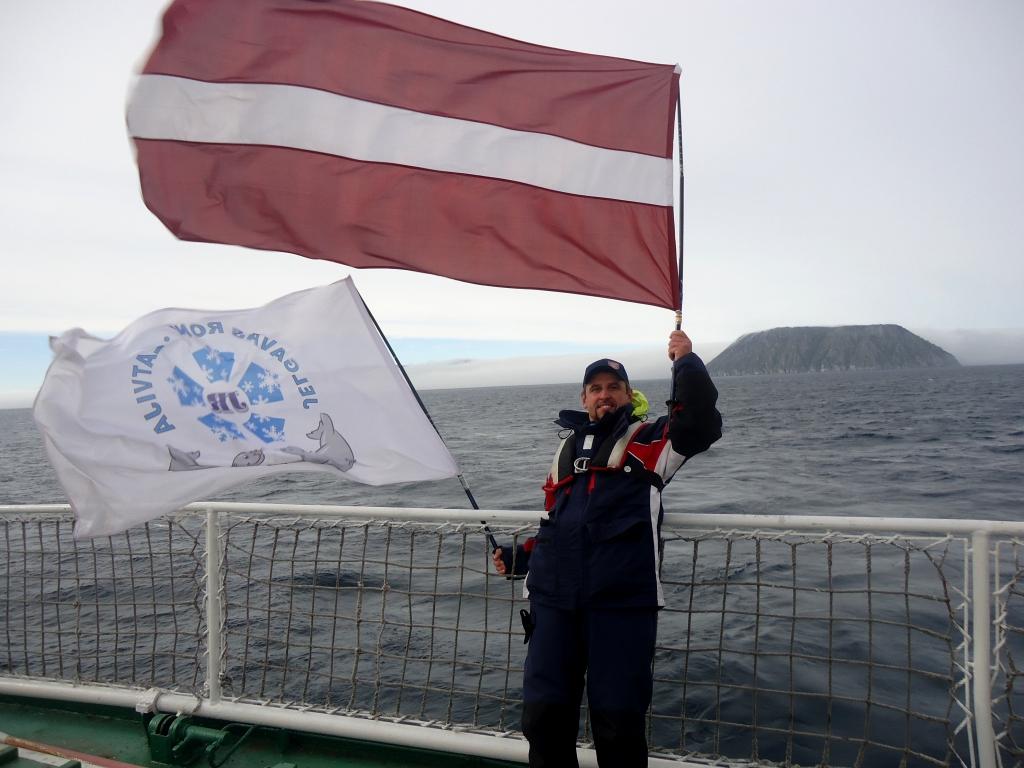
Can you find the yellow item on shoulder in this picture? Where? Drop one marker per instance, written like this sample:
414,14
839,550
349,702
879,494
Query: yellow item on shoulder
640,404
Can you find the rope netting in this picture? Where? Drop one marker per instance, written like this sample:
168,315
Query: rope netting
1008,690
124,610
813,650
788,648
408,622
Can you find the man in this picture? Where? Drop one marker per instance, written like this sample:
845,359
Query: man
593,566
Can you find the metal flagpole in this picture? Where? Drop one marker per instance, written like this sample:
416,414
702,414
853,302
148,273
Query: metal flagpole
462,480
679,245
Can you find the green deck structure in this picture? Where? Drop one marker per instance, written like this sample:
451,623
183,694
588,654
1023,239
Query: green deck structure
121,735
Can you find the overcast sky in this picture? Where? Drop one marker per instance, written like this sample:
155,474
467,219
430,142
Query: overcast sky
845,163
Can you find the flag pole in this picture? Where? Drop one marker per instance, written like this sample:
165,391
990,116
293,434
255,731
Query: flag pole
462,480
679,245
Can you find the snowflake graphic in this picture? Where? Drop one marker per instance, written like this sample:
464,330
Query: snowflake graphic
187,390
222,429
268,429
214,363
260,386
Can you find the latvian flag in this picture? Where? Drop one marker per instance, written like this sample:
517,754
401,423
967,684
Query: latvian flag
375,136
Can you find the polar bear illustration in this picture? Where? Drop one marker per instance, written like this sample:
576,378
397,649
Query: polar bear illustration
334,449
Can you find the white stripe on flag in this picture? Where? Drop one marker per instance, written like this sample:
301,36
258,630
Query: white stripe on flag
178,109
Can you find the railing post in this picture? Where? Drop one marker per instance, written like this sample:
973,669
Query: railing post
213,607
981,651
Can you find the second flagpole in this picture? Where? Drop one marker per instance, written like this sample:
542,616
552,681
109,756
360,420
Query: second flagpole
462,479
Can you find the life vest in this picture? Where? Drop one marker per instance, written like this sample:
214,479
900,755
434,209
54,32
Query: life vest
610,457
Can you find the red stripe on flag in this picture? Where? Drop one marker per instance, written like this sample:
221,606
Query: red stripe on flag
395,56
480,230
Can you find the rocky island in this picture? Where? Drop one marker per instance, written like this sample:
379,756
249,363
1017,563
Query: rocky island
839,348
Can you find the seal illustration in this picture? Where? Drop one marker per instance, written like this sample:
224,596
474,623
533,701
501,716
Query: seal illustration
182,461
334,449
249,458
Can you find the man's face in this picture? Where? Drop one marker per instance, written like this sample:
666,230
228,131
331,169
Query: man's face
603,394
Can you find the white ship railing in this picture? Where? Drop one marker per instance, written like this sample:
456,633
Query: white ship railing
786,639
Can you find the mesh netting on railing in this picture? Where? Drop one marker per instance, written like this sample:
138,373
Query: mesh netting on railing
123,610
1008,691
802,649
813,650
789,648
398,621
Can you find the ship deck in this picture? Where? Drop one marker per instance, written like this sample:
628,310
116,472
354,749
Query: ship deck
119,734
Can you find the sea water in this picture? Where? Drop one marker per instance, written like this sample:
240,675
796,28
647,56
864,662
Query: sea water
910,443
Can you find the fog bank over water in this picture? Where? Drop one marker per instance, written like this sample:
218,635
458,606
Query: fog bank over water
1001,346
431,364
970,347
649,362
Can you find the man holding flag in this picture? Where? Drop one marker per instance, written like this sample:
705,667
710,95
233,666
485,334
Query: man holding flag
593,567
376,136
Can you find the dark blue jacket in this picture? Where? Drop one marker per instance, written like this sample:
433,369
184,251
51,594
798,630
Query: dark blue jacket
601,542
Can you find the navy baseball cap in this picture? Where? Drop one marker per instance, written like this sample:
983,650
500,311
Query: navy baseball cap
605,365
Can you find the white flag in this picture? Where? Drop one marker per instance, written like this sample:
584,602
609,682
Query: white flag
184,403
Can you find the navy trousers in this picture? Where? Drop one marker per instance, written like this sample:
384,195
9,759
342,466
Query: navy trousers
608,651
